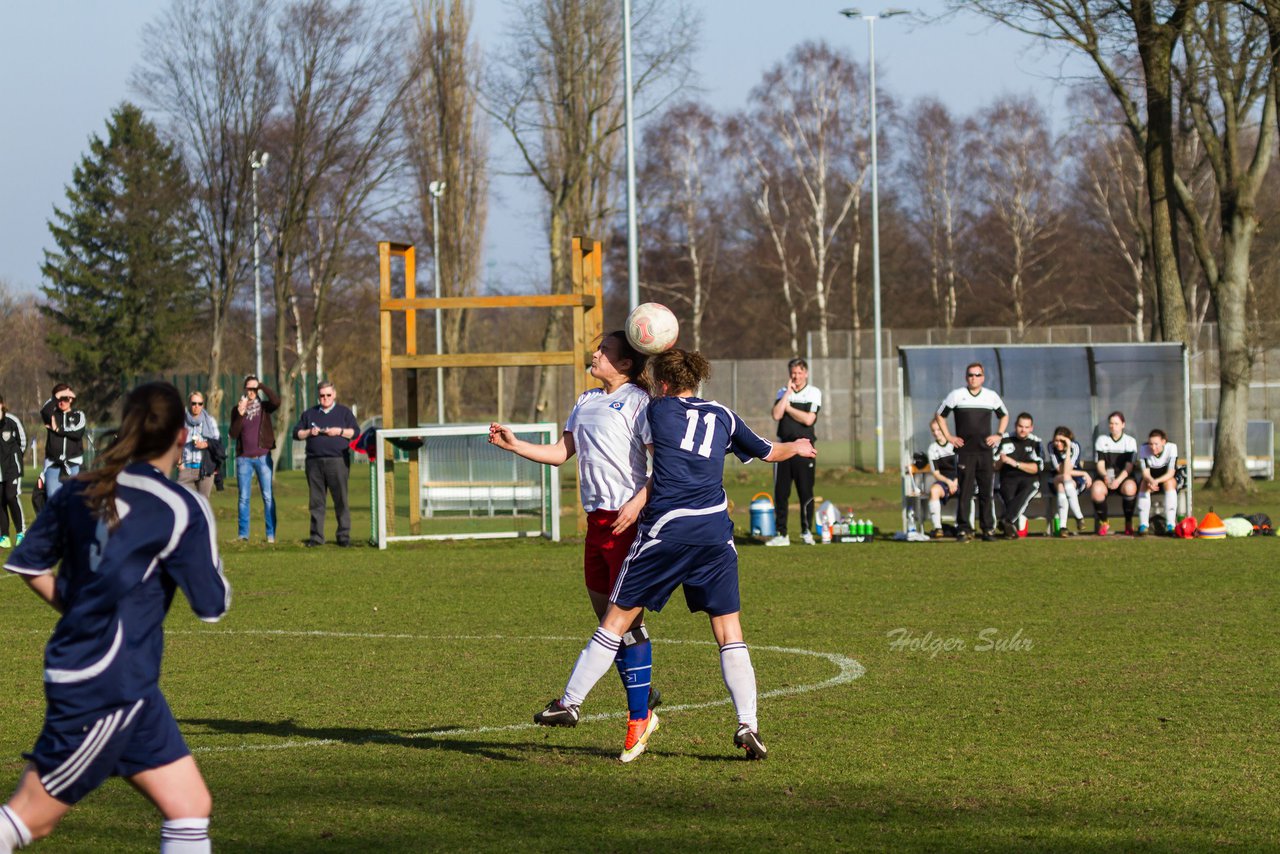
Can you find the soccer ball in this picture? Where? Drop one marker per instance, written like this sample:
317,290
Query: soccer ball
652,328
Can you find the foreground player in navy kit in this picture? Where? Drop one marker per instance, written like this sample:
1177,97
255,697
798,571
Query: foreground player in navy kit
124,538
686,539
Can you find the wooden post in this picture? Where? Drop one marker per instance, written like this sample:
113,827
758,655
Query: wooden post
413,415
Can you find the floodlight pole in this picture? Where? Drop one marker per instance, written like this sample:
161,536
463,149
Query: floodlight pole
256,163
875,222
633,256
436,189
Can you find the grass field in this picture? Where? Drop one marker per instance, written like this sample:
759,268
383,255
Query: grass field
357,701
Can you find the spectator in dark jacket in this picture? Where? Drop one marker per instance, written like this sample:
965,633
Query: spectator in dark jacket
254,436
328,427
64,441
13,447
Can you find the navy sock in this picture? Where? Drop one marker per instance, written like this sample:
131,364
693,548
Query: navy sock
635,665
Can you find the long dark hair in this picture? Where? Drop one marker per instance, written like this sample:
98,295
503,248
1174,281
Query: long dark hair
639,361
149,425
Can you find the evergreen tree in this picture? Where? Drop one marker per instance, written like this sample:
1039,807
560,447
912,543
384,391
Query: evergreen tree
121,287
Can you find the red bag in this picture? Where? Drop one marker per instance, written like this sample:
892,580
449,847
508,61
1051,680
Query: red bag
1186,529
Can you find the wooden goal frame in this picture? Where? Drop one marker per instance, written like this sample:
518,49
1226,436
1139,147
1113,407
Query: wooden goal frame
585,300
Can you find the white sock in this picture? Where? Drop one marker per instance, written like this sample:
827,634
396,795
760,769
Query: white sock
1144,508
1062,508
185,836
935,512
740,679
13,832
1073,499
595,660
1171,507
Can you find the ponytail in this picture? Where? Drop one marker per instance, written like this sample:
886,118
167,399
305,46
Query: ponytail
149,426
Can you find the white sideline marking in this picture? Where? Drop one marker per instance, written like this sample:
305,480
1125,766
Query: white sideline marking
849,670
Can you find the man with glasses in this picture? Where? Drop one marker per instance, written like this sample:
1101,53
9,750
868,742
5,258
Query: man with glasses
328,428
251,428
201,427
64,438
975,443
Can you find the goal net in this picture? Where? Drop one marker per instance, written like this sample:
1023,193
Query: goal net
456,485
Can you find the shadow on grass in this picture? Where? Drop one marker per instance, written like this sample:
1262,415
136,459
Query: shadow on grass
422,739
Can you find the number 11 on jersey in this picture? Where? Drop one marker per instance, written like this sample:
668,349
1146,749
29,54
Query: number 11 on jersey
686,444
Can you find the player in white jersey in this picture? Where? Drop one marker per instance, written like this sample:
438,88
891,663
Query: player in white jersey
686,539
609,433
1159,461
124,538
1069,480
942,464
1117,455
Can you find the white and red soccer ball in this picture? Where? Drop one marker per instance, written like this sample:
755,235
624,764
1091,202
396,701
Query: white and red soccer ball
652,328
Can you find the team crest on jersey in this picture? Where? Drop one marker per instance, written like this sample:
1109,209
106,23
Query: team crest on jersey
617,404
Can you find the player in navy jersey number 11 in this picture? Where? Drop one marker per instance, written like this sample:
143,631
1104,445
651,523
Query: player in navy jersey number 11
124,538
685,539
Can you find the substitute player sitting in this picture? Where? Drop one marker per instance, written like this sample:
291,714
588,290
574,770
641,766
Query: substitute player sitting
1020,463
609,432
1158,460
1117,454
686,539
124,538
942,465
1069,480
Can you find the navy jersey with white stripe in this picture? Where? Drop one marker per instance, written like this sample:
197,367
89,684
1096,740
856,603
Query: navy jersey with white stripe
1055,458
691,437
116,585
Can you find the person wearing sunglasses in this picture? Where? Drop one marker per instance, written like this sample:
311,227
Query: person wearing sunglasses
251,428
201,428
975,443
328,428
64,438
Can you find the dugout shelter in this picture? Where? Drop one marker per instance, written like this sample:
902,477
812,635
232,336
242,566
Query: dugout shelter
1076,385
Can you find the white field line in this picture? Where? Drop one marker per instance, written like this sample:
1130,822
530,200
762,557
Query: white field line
848,670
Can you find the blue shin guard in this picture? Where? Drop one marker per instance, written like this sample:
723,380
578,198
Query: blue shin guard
635,664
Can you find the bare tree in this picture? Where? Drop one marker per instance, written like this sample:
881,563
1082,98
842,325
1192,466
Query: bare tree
1107,31
343,83
807,116
1012,158
447,142
1225,80
25,372
930,169
681,177
1112,187
558,92
207,65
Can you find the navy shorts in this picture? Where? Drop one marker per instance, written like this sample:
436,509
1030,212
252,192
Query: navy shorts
946,491
654,569
78,750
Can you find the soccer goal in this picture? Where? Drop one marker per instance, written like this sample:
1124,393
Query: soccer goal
461,487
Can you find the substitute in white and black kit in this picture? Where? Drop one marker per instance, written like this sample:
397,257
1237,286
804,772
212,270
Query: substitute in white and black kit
796,411
1021,463
975,442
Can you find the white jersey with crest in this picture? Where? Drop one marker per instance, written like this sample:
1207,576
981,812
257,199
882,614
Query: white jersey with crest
610,434
1159,464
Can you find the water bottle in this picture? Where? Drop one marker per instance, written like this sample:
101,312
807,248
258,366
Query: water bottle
826,531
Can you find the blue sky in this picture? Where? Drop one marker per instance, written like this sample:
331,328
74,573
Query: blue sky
66,63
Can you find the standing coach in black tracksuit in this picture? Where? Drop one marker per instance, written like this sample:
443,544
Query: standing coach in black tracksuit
328,428
1021,462
975,442
796,411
